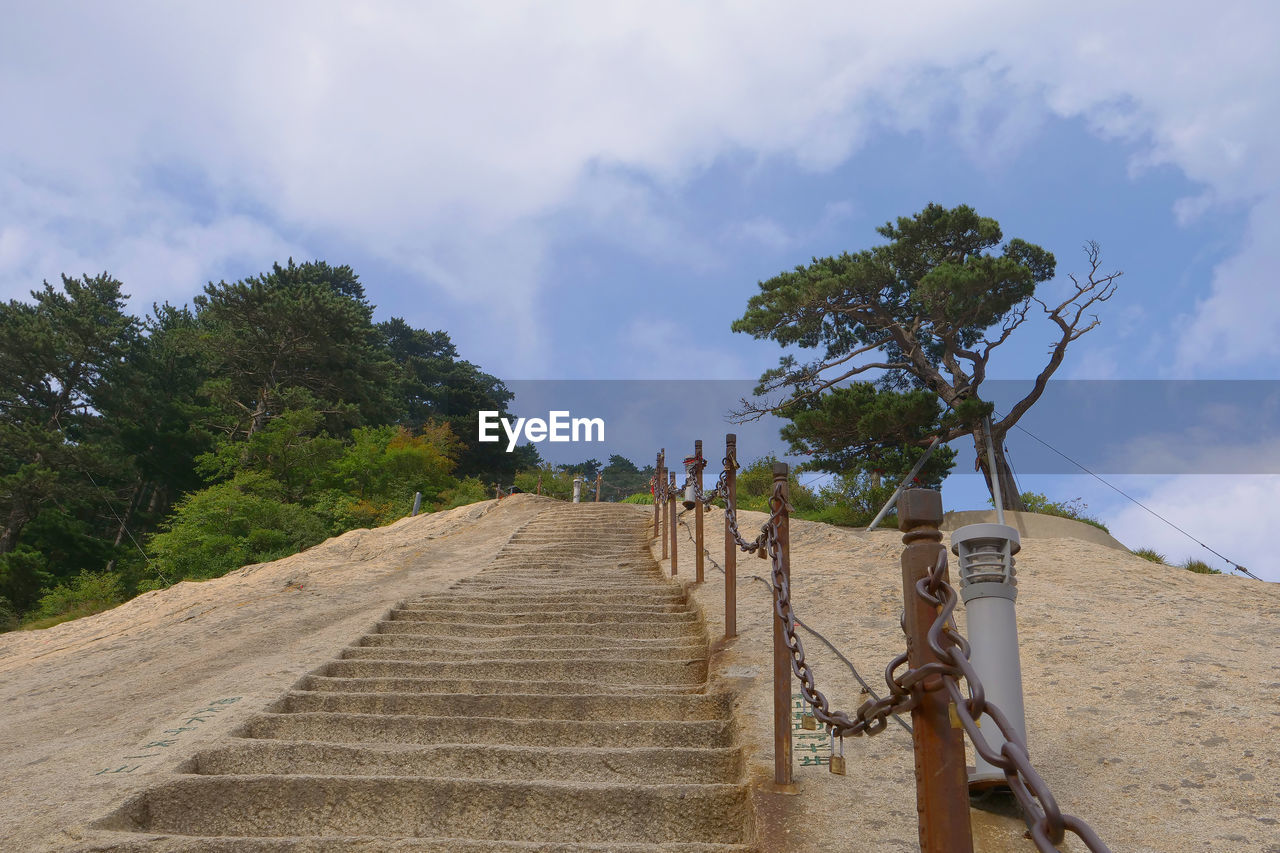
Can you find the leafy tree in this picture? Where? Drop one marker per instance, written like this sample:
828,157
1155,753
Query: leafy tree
623,478
151,421
929,308
435,385
56,356
862,429
23,574
298,328
230,525
587,469
292,450
375,478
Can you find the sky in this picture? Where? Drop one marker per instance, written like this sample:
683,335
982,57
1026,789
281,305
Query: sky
593,191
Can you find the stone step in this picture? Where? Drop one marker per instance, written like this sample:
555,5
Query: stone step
523,706
490,761
535,642
485,618
555,702
401,652
473,685
551,583
609,670
151,843
284,806
464,606
554,587
603,628
330,727
585,597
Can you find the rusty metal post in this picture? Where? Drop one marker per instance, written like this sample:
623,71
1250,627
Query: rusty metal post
697,514
599,480
671,521
659,478
781,654
730,546
942,787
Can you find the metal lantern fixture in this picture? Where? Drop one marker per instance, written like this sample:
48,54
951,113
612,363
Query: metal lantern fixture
690,495
989,589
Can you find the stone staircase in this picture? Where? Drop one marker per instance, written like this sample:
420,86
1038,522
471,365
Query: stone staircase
555,702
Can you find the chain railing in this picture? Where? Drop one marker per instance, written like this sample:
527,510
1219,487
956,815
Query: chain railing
930,687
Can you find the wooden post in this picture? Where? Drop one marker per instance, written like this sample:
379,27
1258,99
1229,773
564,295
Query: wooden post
942,788
599,480
781,654
658,478
539,482
671,521
730,546
699,544
660,503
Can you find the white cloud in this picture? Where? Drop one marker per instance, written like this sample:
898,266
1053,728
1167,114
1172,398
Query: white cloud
1238,323
663,349
1223,512
440,137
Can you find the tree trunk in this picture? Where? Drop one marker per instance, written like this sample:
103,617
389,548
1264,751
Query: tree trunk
124,522
17,519
259,417
1009,496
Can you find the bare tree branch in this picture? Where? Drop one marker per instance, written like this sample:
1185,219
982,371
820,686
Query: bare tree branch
1067,315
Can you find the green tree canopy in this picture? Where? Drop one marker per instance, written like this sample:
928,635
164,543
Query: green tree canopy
299,327
435,385
57,354
927,309
860,428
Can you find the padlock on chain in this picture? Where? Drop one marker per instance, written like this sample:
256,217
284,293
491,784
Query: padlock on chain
836,762
808,721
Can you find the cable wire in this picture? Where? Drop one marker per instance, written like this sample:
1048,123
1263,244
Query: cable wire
1232,563
125,527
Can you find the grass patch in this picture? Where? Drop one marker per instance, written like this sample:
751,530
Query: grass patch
1200,567
1152,555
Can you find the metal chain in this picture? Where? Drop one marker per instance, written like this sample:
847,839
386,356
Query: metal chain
1048,823
799,623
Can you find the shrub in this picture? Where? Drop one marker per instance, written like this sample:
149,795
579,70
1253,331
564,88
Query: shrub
1152,555
23,576
557,482
230,525
83,595
638,498
755,487
1073,509
1200,567
468,491
8,616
